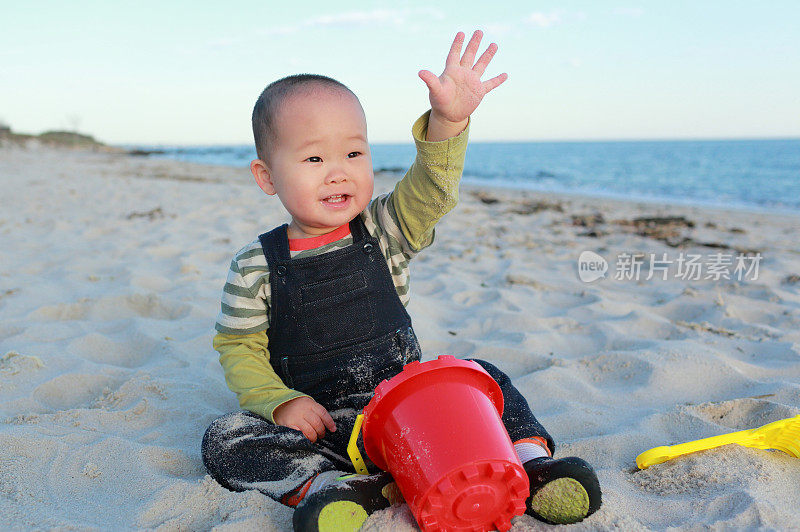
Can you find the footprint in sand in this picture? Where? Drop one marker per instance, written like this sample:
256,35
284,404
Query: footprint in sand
681,309
172,462
151,282
18,366
738,505
618,370
132,350
114,308
757,291
471,298
8,330
72,390
515,362
764,360
80,479
712,474
567,300
743,413
165,251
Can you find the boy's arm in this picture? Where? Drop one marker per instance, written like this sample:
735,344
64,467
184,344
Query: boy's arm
248,373
241,338
429,189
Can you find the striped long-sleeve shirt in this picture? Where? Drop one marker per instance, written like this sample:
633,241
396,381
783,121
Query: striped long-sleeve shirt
403,222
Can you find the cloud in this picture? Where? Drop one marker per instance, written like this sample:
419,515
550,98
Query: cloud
372,18
497,28
544,20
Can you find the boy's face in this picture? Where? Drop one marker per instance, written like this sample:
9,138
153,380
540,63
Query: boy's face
320,165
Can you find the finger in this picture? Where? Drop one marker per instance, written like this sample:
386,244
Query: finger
485,58
328,420
431,80
490,84
307,430
325,417
455,50
472,49
316,423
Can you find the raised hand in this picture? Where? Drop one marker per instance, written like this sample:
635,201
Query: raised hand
456,93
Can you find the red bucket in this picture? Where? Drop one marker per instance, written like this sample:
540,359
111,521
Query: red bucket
436,428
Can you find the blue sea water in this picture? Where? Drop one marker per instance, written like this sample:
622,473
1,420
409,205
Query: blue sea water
756,174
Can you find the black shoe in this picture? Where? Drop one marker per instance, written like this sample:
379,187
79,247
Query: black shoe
563,491
344,505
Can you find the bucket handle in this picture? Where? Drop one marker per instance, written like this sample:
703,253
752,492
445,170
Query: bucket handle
352,448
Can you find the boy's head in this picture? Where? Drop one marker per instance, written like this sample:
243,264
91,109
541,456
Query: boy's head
311,138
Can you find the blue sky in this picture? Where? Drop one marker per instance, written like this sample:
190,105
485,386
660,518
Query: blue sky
189,72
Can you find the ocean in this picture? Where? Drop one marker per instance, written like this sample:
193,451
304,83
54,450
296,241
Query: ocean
750,174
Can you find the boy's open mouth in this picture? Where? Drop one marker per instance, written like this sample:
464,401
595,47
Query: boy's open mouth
338,198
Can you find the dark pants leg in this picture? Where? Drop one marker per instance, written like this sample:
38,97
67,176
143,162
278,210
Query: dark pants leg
517,416
243,451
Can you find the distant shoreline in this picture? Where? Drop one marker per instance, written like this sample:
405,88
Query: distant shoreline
77,142
637,199
548,180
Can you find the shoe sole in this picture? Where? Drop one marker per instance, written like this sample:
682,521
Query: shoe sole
341,509
568,490
341,516
561,501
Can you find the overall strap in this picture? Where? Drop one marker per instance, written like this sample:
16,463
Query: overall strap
358,229
275,244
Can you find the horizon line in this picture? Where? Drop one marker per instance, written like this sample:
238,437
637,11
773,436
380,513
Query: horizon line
510,141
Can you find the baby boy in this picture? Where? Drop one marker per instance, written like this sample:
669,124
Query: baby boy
313,312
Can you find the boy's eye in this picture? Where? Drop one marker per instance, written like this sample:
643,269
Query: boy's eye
354,154
312,159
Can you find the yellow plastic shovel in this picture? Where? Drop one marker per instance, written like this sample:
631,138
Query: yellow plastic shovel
783,435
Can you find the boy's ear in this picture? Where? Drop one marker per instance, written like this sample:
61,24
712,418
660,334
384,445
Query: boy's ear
263,176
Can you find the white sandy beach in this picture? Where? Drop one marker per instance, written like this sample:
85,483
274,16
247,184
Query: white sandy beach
110,280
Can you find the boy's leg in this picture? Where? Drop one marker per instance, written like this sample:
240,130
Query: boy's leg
343,502
517,417
563,491
243,451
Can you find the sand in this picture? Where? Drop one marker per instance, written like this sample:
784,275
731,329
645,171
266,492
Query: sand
110,278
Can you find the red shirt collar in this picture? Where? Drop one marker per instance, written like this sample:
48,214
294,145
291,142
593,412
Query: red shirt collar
302,244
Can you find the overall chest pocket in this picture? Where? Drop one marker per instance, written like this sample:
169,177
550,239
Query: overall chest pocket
337,311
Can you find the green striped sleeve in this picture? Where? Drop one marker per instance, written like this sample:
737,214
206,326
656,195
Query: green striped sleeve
429,190
245,304
403,221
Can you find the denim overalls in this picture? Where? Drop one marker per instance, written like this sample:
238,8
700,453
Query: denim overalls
337,326
337,329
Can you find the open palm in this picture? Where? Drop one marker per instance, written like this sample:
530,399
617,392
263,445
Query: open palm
457,92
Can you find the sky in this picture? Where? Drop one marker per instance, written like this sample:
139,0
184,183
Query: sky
161,72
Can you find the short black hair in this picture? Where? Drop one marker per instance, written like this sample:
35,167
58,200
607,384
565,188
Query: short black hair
265,112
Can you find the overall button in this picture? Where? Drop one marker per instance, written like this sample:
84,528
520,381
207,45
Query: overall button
281,270
368,247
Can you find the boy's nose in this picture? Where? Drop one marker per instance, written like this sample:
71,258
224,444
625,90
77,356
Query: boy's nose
336,176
